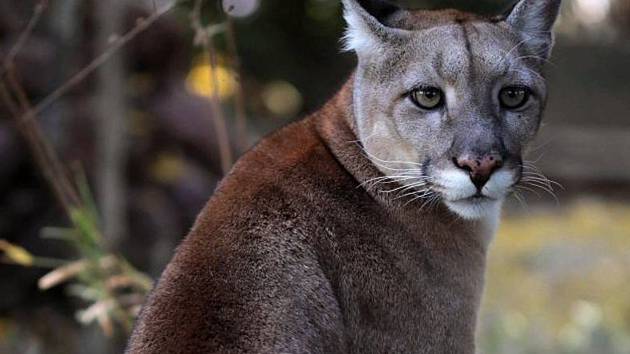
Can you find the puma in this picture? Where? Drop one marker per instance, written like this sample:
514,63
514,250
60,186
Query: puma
364,228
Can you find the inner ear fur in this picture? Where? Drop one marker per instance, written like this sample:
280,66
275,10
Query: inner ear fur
367,30
533,20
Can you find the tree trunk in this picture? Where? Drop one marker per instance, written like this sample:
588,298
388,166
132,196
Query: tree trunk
111,127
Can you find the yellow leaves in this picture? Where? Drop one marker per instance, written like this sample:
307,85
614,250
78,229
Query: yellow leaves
201,80
99,312
167,168
114,298
61,274
16,254
282,98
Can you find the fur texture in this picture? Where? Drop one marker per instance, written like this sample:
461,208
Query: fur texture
292,256
470,59
299,252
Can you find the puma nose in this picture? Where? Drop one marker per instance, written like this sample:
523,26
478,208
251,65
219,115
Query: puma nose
480,168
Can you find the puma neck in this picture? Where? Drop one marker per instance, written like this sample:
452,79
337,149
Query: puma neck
335,124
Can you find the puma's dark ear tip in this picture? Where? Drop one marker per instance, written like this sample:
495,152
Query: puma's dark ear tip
505,14
534,21
380,9
534,15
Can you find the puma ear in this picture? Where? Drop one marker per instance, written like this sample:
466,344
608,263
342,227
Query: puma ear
367,30
534,20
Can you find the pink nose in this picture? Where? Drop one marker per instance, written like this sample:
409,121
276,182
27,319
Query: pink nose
480,168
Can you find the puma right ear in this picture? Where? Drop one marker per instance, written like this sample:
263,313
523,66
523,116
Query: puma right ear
534,20
367,30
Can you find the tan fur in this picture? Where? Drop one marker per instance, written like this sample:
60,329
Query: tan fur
293,254
290,256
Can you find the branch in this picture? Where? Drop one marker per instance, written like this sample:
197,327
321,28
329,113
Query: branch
141,26
239,97
44,154
118,285
24,36
111,128
203,36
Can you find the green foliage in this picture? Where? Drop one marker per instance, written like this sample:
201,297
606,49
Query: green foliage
112,289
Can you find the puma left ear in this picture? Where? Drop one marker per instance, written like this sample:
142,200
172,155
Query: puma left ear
367,29
534,20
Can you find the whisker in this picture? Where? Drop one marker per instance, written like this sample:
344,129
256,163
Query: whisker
404,176
532,162
529,71
404,188
541,146
542,178
520,199
531,170
507,54
550,183
436,200
537,178
529,190
538,184
416,198
420,194
389,179
536,57
546,189
429,202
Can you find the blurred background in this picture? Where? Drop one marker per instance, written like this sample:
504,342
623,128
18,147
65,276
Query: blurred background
118,118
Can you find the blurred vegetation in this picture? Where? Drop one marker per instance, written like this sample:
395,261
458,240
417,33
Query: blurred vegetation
558,281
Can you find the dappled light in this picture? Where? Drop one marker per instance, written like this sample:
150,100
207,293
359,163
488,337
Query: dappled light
591,12
200,80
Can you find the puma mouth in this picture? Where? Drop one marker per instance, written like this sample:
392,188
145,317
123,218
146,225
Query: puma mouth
474,207
477,199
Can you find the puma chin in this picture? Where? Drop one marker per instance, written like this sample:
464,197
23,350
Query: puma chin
463,198
289,256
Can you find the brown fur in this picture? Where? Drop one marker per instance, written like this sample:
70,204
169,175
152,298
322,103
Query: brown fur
419,20
292,256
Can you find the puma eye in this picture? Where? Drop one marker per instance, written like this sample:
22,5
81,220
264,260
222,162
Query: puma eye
428,98
514,97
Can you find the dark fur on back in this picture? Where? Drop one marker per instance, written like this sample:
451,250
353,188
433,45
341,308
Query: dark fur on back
291,255
421,19
294,254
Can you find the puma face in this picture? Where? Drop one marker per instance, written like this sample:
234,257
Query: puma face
445,102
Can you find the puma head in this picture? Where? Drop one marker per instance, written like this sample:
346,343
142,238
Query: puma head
445,102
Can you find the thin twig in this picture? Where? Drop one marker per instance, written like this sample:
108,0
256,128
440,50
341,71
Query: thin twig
24,36
141,26
14,97
111,125
239,97
25,114
204,38
44,154
218,116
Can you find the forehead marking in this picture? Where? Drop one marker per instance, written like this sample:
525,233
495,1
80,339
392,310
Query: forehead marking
469,50
452,61
467,44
